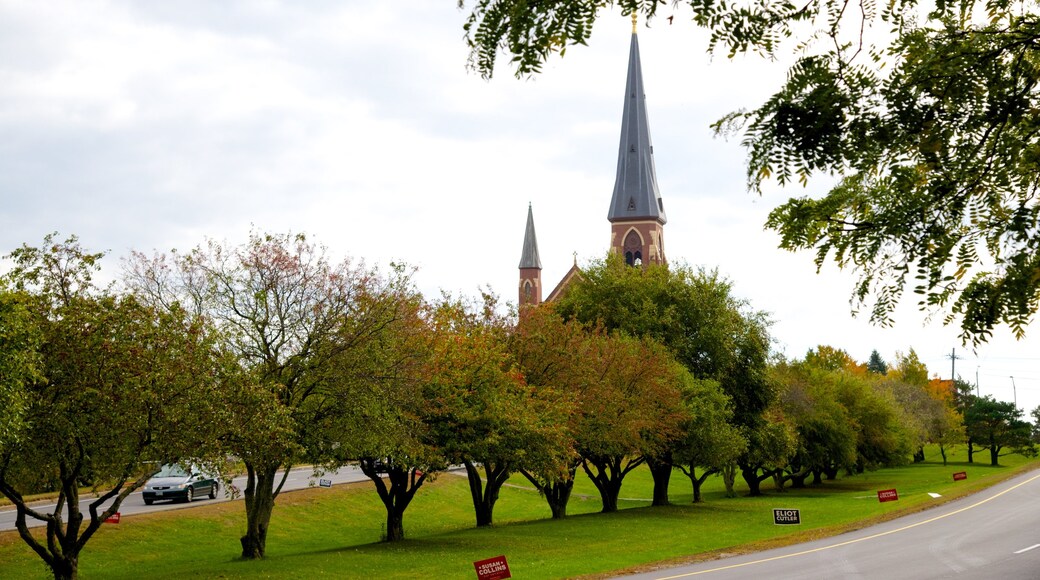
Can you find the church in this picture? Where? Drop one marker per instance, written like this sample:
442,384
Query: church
636,213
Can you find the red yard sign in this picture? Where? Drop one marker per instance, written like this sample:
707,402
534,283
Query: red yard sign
112,519
960,475
887,495
492,569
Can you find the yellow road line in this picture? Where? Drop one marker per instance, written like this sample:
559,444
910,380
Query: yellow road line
846,543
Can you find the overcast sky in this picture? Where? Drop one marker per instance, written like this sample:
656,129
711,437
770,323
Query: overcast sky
152,125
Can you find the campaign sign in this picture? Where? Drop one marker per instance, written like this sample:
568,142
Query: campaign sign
325,482
887,495
960,475
492,569
112,519
786,517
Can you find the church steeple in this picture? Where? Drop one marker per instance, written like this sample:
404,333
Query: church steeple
530,266
636,210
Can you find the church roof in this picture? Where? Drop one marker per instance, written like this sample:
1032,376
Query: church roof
635,188
529,258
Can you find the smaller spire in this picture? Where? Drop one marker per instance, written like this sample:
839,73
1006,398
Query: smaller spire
529,258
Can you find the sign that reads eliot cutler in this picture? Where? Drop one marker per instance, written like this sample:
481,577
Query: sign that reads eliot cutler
786,517
492,568
887,495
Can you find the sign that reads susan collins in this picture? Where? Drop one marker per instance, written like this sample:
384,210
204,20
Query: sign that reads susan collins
786,517
492,568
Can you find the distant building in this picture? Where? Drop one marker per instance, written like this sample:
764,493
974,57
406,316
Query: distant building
636,213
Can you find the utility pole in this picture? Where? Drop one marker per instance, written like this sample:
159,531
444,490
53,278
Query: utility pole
953,365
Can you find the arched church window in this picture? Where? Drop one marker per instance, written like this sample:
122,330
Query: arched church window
633,248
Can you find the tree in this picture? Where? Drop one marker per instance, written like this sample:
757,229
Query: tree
882,436
931,133
997,425
963,398
826,433
631,409
389,432
121,389
692,313
828,358
284,312
482,413
709,440
909,369
771,446
552,354
876,364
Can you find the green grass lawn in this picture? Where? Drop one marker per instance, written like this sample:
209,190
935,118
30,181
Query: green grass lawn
335,532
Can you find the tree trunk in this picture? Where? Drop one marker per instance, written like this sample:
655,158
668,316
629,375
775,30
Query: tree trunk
557,493
695,480
404,482
971,451
259,498
942,452
394,524
485,496
919,455
994,455
610,472
66,567
729,479
661,470
753,480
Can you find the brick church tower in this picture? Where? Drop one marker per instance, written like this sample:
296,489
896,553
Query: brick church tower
636,211
530,266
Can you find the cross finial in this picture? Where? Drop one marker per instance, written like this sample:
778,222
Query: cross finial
635,18
575,258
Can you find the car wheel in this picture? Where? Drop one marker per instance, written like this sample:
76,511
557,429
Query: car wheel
149,501
190,495
213,491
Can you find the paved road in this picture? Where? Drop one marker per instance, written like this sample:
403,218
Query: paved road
992,534
298,479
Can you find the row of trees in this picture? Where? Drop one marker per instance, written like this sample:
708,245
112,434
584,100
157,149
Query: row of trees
273,354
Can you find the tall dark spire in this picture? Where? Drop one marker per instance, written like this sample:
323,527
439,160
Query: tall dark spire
636,196
529,258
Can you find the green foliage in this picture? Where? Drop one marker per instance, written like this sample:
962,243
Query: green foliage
283,312
693,313
119,388
876,364
827,433
996,426
932,133
19,363
910,369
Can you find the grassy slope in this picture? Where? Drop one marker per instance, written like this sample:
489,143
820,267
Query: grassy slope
334,533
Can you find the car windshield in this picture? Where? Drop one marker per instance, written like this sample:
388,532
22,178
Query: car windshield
172,471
